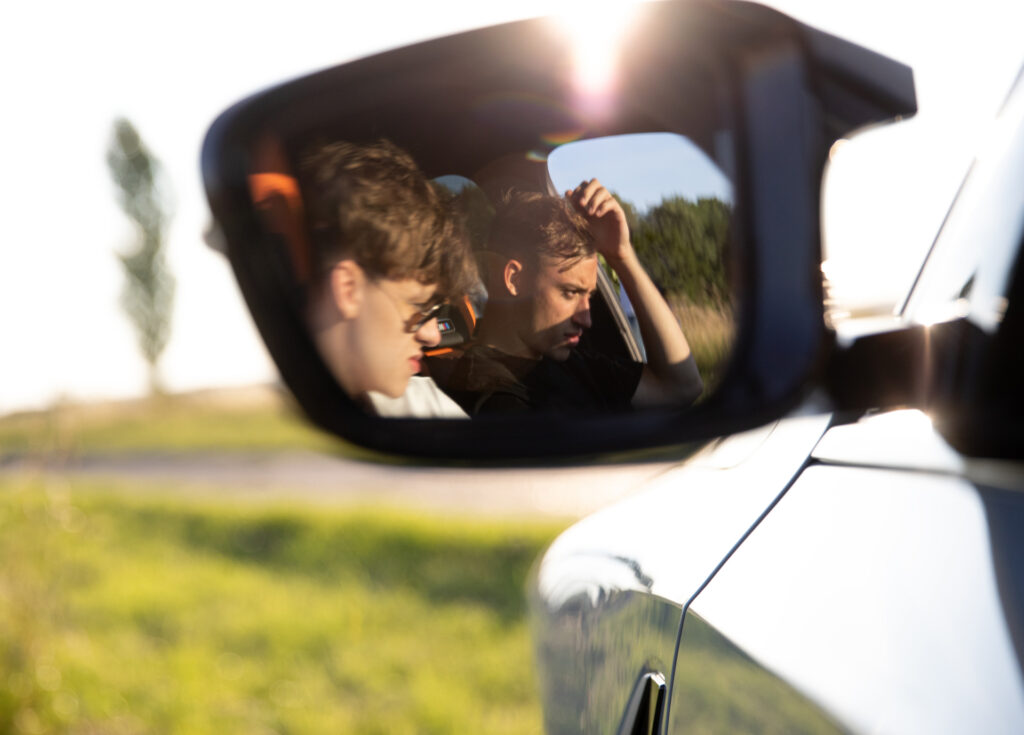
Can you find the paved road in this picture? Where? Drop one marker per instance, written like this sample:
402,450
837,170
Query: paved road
317,478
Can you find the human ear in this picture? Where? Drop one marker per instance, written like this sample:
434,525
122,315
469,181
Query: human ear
347,283
512,277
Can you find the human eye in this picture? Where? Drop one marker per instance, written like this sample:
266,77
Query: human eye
425,306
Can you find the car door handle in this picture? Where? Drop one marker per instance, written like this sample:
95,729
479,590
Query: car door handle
646,707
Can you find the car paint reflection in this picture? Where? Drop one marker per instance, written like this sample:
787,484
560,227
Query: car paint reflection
721,689
590,656
876,596
608,595
686,522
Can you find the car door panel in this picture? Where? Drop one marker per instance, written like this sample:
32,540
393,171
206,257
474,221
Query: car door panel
874,592
607,596
720,689
594,647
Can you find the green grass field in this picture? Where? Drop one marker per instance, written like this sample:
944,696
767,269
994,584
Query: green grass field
222,421
121,614
711,332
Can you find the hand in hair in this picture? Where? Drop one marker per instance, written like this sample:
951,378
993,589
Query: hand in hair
670,375
605,219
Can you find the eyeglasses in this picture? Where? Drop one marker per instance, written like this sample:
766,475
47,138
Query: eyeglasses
419,318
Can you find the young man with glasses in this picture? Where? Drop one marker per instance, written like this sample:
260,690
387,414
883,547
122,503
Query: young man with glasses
390,251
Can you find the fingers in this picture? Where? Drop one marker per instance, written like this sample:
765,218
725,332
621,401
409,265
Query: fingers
601,203
583,194
591,198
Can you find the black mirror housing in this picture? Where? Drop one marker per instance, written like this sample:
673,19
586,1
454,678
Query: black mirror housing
762,95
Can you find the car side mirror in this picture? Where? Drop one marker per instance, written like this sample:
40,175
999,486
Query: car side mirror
758,98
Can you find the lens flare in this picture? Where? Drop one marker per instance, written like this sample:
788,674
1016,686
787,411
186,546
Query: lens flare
563,136
596,32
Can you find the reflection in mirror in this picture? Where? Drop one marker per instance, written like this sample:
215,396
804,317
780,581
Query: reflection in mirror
678,204
557,332
388,253
458,297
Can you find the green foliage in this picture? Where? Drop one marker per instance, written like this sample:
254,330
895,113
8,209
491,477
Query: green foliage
144,615
682,244
148,295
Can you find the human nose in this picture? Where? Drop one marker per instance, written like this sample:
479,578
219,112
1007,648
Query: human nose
428,334
582,315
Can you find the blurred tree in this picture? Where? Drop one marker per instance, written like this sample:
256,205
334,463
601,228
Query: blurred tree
682,244
148,294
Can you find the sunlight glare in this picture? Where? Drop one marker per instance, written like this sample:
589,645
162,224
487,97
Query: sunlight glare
837,148
941,313
903,423
596,35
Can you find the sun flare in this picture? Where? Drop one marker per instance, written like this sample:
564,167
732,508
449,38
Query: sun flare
596,34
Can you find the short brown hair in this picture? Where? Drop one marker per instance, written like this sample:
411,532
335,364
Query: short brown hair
371,203
528,224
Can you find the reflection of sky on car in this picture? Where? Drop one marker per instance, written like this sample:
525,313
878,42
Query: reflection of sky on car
642,169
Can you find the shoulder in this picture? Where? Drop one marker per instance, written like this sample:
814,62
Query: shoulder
481,366
486,380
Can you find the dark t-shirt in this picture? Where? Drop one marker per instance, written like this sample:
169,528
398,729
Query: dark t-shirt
486,380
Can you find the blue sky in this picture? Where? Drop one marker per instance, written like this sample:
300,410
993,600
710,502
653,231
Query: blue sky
642,169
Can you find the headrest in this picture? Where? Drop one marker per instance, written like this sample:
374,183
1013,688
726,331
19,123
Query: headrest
277,197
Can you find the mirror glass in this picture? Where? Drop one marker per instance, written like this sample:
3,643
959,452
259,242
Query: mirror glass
679,205
590,280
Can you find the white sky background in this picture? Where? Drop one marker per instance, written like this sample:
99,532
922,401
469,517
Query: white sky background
69,69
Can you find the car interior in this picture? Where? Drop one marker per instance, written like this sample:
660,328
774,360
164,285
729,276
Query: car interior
277,197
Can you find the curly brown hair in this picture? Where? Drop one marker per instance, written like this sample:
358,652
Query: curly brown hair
528,224
371,203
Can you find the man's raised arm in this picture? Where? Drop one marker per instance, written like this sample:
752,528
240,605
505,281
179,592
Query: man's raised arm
670,375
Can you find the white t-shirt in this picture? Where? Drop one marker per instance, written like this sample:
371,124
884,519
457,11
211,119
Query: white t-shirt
422,400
